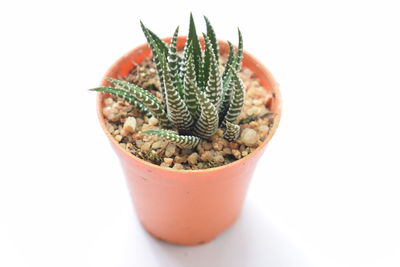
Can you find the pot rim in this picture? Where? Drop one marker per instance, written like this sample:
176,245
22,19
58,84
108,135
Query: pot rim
274,87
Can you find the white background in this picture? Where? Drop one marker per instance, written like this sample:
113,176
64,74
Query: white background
326,192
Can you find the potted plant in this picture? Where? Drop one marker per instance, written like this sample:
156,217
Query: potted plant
188,124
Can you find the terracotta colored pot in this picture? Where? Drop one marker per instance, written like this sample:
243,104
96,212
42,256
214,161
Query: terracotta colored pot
188,207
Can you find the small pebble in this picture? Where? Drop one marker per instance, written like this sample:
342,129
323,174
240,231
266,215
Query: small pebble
179,159
214,138
110,127
227,151
146,147
257,102
249,137
253,124
206,145
263,128
192,159
139,143
168,161
200,149
164,165
178,166
233,145
206,156
218,158
217,146
129,125
108,101
186,151
158,144
236,153
170,150
146,127
139,122
153,121
220,132
110,114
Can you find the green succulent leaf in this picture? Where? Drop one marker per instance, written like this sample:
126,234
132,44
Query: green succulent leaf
125,95
183,141
160,43
183,61
159,51
198,61
178,112
213,89
191,88
237,99
173,63
207,125
227,93
232,131
231,58
149,100
239,54
206,60
213,39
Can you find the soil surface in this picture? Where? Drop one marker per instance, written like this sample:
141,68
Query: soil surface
126,124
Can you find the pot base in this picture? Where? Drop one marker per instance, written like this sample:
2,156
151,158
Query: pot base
188,241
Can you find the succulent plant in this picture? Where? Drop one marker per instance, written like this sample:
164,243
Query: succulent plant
196,98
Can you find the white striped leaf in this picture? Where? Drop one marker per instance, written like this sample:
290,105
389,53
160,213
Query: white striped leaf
183,141
149,100
125,95
232,131
237,99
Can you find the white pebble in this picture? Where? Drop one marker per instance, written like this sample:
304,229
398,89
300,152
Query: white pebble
178,166
153,121
158,144
139,143
257,102
218,157
145,147
130,125
168,161
108,101
263,128
110,114
170,150
249,137
139,123
118,138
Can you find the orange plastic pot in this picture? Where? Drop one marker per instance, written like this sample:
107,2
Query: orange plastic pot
188,207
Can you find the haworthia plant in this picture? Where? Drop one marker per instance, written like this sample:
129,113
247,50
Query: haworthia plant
196,98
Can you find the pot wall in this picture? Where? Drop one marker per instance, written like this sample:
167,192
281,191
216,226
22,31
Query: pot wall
188,207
